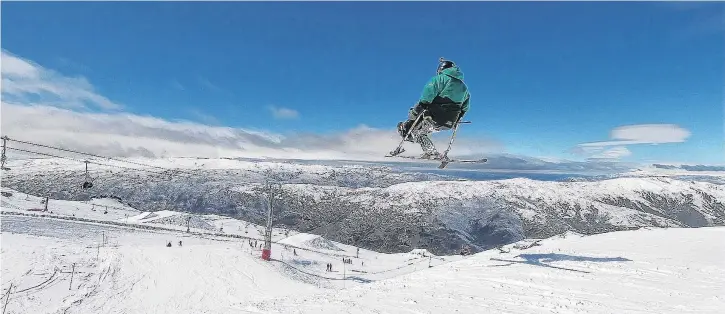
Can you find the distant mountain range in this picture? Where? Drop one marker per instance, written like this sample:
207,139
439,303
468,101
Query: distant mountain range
384,208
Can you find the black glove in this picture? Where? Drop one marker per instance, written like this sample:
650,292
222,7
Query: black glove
460,116
421,106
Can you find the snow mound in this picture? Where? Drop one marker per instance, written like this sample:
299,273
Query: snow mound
312,241
139,218
422,252
160,214
182,219
570,234
168,217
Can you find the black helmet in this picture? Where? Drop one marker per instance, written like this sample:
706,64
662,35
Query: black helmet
444,64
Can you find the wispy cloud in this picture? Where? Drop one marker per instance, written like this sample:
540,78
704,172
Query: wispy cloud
283,113
24,81
612,153
203,117
176,85
70,64
206,83
706,24
706,18
632,135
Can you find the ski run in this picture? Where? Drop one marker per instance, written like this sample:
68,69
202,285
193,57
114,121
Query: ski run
82,260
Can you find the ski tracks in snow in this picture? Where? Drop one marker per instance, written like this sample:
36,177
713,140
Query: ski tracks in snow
643,271
188,279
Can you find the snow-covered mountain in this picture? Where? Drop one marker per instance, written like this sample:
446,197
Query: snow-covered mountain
379,207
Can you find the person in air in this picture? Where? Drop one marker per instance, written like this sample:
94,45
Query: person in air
446,99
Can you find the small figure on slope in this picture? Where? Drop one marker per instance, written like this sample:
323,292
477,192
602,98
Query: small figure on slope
446,100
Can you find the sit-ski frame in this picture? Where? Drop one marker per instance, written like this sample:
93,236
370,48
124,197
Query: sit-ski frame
444,157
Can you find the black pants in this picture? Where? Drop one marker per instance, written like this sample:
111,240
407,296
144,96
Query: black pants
444,115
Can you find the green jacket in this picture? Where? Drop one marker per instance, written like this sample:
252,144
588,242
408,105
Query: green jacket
447,87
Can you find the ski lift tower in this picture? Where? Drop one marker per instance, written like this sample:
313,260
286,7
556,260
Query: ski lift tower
267,250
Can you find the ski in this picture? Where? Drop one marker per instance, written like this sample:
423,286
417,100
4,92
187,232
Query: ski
443,162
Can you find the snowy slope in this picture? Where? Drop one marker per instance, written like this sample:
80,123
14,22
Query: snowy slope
101,209
110,210
127,270
138,275
674,270
644,271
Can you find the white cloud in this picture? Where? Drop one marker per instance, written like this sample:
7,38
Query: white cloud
206,83
612,153
644,134
15,67
24,81
176,85
283,113
632,135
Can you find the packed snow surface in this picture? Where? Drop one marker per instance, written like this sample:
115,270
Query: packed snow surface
118,269
110,210
644,271
125,269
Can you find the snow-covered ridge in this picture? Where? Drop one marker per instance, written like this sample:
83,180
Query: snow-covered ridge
387,210
489,213
704,196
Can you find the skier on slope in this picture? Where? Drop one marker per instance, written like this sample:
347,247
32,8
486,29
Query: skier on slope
444,97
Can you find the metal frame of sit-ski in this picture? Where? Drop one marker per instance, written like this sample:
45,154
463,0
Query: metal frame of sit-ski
444,157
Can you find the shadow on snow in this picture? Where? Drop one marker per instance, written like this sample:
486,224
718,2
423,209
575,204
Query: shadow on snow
542,259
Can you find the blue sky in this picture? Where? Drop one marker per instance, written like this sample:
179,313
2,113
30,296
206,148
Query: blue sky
545,77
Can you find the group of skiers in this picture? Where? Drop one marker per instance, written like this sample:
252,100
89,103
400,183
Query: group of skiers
168,244
344,260
254,244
